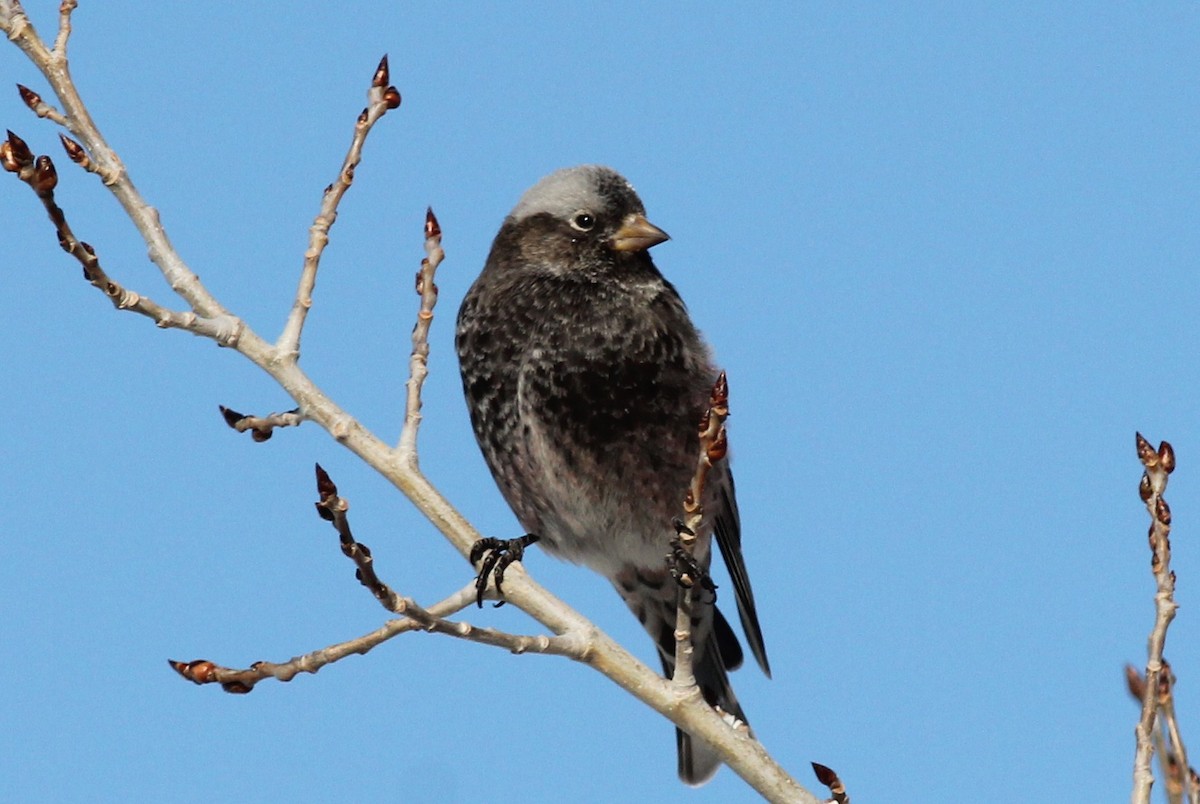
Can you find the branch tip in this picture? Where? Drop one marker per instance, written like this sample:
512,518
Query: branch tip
45,176
380,79
31,98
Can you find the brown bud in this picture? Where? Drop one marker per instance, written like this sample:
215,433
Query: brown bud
391,96
200,671
1144,488
45,177
236,687
19,150
74,151
825,775
1146,453
1162,511
432,228
7,159
720,391
325,485
719,447
232,417
31,98
380,79
1135,682
1166,454
362,117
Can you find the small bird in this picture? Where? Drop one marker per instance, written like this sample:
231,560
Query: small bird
586,381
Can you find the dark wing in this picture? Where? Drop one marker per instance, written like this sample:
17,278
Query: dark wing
728,529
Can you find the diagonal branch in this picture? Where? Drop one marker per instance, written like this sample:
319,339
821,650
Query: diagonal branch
580,639
380,99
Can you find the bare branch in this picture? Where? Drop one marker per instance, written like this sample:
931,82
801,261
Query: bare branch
381,98
42,177
333,508
418,363
1156,685
574,636
713,447
64,27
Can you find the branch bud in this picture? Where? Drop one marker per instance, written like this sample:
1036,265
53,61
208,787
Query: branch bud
19,152
432,229
719,447
31,98
391,96
75,151
1146,453
380,79
1166,454
45,177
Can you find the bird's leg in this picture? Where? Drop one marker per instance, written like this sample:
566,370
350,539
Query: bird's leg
684,567
500,554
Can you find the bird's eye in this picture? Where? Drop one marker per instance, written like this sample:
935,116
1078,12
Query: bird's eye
583,221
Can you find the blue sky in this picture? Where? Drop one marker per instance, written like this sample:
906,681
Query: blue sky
947,254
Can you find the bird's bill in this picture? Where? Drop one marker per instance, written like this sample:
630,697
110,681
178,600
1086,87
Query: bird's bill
637,234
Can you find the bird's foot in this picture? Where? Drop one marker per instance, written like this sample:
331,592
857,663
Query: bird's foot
500,554
684,567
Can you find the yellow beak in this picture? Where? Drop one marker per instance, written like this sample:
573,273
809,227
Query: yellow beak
637,234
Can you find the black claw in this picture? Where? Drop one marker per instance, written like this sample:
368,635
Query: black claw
500,554
686,570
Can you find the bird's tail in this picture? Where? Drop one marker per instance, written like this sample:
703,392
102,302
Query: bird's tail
716,651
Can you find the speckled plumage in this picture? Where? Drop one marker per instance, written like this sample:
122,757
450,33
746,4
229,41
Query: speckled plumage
586,379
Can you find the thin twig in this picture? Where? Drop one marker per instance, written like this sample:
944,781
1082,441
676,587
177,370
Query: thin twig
1158,465
40,107
64,27
261,427
333,509
418,362
41,175
415,618
713,446
380,99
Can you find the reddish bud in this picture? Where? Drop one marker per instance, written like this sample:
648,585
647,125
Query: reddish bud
380,79
31,98
7,159
1135,682
825,775
720,391
74,151
232,417
432,228
1144,488
719,447
391,96
1162,511
45,177
1166,454
325,485
19,150
1146,453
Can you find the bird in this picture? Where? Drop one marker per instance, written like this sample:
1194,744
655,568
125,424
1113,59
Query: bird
586,380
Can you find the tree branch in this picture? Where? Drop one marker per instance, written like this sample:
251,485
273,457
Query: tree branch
579,638
1157,684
